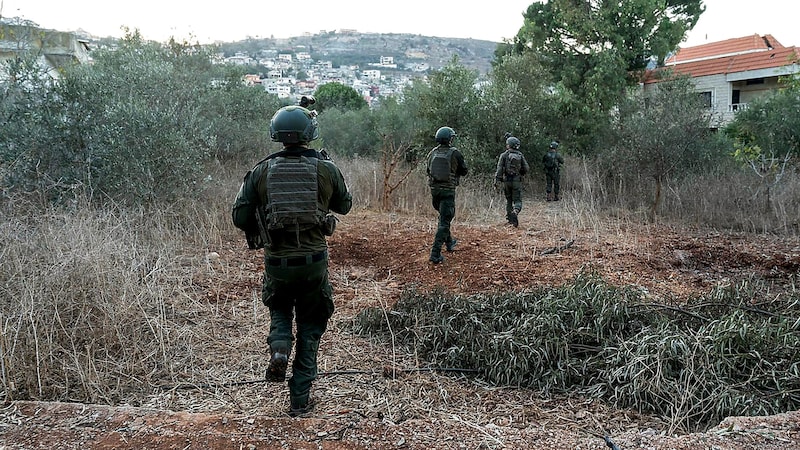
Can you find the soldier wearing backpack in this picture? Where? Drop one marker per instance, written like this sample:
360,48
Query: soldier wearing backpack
511,166
445,168
284,207
552,162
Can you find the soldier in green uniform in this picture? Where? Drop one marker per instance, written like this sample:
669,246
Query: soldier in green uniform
511,166
552,162
284,206
445,168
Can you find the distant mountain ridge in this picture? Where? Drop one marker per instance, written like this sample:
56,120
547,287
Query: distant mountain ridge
354,48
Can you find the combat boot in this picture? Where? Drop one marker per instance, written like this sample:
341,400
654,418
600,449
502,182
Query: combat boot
301,407
436,255
278,362
451,245
549,196
514,218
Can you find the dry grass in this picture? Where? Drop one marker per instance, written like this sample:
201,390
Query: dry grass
105,306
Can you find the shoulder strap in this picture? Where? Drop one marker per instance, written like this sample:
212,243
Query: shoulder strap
308,153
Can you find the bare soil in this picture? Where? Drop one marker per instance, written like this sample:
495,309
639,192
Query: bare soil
374,257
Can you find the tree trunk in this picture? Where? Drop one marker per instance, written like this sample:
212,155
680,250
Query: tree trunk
656,200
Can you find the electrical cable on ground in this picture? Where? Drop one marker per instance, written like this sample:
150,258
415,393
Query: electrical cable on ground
387,372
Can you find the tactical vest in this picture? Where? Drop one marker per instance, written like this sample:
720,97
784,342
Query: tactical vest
292,195
441,170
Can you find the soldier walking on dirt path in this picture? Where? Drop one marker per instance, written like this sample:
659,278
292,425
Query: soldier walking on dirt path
284,206
511,167
552,162
445,168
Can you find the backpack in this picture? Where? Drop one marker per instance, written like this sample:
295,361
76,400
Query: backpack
551,161
440,167
513,163
292,203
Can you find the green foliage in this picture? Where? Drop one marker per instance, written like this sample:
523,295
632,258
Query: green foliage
728,353
658,134
237,115
593,50
337,95
519,100
140,124
768,129
451,99
348,132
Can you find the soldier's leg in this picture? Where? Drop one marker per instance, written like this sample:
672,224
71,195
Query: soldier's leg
516,196
314,308
447,210
280,301
508,191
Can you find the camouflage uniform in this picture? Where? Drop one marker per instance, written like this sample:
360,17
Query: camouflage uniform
552,162
443,199
295,268
512,185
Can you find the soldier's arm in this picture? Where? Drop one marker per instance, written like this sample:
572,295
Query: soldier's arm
341,200
501,162
525,166
245,204
462,169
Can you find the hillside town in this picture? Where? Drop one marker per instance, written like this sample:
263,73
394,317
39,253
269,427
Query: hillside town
292,75
373,64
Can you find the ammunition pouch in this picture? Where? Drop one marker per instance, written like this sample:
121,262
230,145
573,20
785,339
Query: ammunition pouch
263,234
329,224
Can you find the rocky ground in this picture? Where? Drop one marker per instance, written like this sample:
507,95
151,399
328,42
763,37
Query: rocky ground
373,258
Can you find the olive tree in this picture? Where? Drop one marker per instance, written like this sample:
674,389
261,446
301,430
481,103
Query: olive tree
659,134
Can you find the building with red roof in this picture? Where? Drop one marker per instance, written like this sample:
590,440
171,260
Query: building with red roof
733,72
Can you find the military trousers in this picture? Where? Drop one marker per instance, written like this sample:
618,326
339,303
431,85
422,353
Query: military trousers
444,201
553,183
302,294
512,189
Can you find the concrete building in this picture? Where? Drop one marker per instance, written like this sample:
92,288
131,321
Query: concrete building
730,73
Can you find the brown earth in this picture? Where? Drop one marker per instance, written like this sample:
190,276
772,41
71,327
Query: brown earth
373,258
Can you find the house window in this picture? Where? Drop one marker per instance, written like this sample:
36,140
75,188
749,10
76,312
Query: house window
705,99
754,81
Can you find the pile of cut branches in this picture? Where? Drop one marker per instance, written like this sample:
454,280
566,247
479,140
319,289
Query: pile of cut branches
725,353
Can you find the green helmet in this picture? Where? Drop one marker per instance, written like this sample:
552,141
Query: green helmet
554,144
444,135
293,125
513,142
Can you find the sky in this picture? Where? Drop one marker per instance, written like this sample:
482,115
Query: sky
497,20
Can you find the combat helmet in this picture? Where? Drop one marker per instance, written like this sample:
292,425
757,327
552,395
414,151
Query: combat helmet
513,142
444,135
293,125
554,145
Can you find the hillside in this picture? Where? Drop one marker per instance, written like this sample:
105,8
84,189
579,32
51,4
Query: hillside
363,48
358,406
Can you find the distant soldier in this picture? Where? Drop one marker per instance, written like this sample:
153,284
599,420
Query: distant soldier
511,166
445,168
552,162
